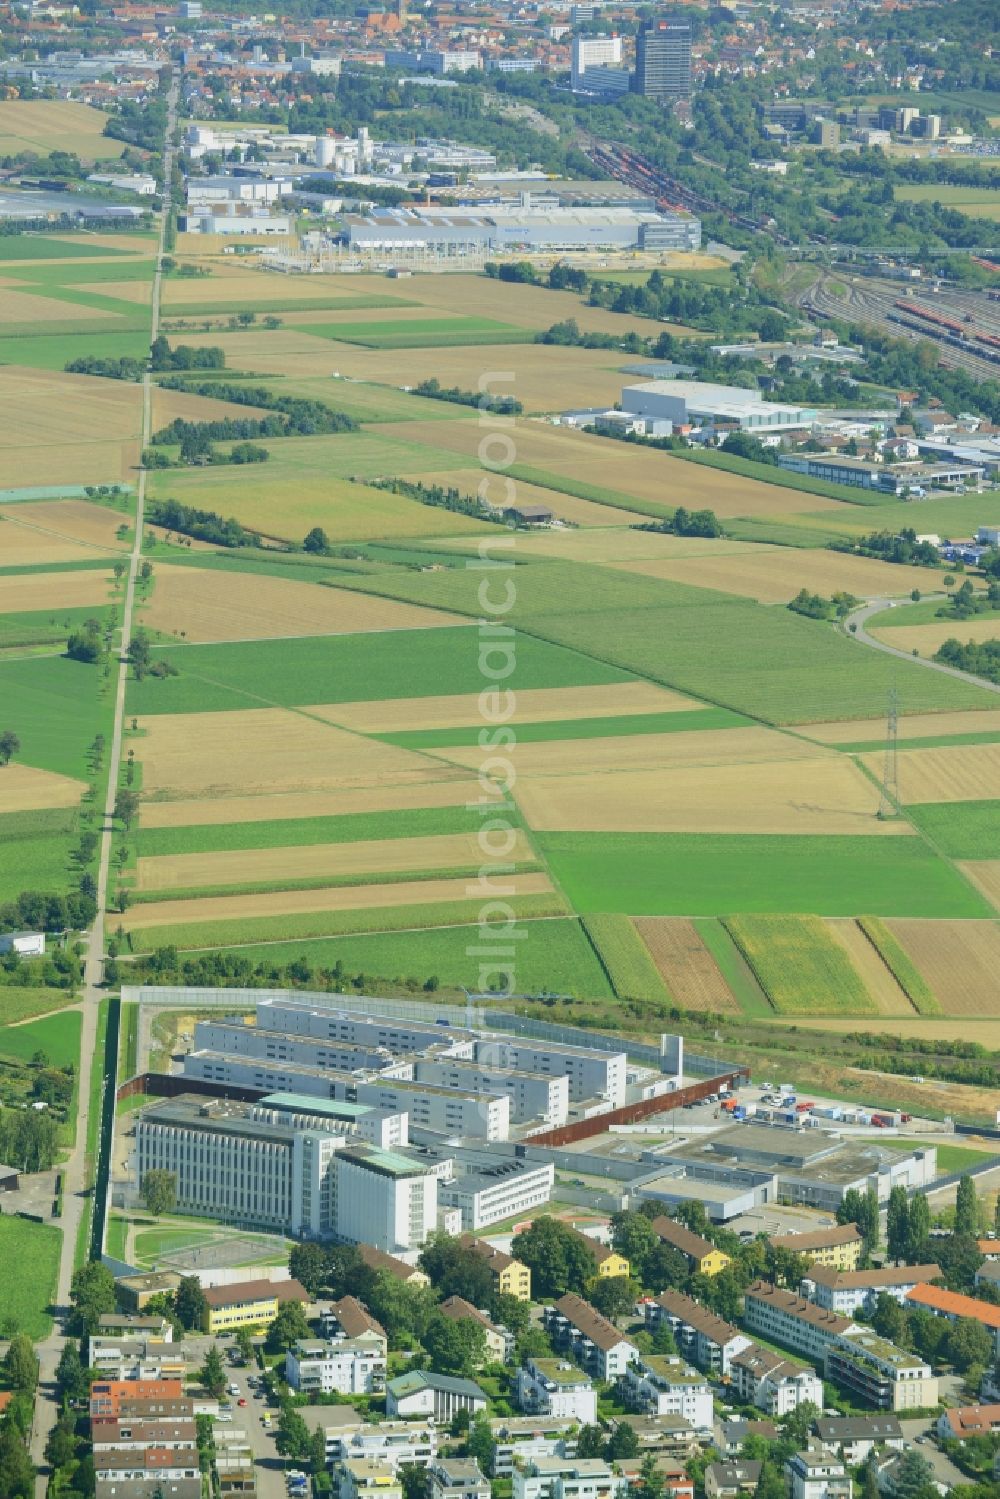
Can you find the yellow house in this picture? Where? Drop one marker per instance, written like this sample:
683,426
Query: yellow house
510,1277
249,1303
701,1254
609,1262
838,1246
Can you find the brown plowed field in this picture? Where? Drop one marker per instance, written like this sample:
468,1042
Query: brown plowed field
960,961
877,978
685,964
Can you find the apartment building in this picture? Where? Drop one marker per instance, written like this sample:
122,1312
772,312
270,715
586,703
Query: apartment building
818,1474
773,1383
144,1399
707,1340
854,1437
838,1246
392,1442
338,1367
523,1438
591,1074
498,1193
850,1291
366,1478
457,1478
782,1317
119,1433
656,1385
701,1255
510,1277
248,1303
534,1098
348,1318
567,1478
553,1387
952,1306
578,1328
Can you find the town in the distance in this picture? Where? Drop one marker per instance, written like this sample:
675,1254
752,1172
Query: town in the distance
499,749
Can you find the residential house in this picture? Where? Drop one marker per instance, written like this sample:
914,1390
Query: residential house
969,1421
818,1474
389,1264
366,1478
499,1342
420,1393
510,1277
554,1387
839,1246
735,1433
657,1385
341,1366
707,1340
851,1291
701,1255
953,1306
774,1383
349,1318
523,1438
853,1437
567,1478
608,1261
457,1478
729,1480
578,1328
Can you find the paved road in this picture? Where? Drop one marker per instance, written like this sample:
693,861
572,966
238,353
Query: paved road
860,618
76,1197
269,1467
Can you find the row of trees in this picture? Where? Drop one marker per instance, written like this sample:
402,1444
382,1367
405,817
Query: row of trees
184,356
203,525
814,606
900,546
981,658
497,405
48,911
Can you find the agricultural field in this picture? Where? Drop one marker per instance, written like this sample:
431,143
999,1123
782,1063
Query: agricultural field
44,125
979,202
957,960
685,964
800,966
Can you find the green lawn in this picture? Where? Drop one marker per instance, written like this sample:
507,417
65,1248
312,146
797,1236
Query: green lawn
411,823
57,1035
551,955
365,401
673,874
766,662
17,1004
152,1243
410,663
29,1253
54,706
962,830
949,1157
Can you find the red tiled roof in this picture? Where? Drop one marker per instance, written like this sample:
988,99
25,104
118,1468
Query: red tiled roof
951,1304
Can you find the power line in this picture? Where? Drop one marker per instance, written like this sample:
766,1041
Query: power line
889,802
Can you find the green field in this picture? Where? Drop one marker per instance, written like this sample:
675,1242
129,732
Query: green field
800,966
57,1035
766,662
626,958
552,955
421,333
577,728
17,1004
675,874
29,1253
962,830
411,823
53,704
51,351
42,626
364,401
349,668
34,864
39,247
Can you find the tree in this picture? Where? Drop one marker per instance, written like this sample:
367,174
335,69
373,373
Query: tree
92,1292
457,1271
126,806
888,1318
189,1302
460,1422
288,1326
60,1446
317,541
213,1372
480,1443
959,1259
918,1230
966,1209
612,1295
71,1380
17,1473
911,1476
308,1265
590,1442
317,1451
158,1190
651,1478
21,1365
861,1208
244,1344
138,654
898,1223
968,1343
415,1481
635,1239
623,1443
292,1437
771,1483
454,1345
557,1256
9,746
666,1268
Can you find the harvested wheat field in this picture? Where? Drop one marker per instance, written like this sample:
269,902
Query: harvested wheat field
263,750
24,546
236,287
338,898
641,472
785,796
78,520
774,575
885,992
701,749
913,726
22,592
46,407
685,964
497,489
23,788
985,875
534,705
50,463
173,405
957,773
453,790
44,125
18,306
208,605
139,292
960,961
382,856
926,639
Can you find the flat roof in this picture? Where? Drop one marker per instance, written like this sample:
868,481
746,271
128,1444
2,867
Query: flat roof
304,1104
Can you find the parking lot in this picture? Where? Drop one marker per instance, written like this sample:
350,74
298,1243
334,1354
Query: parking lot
246,1419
